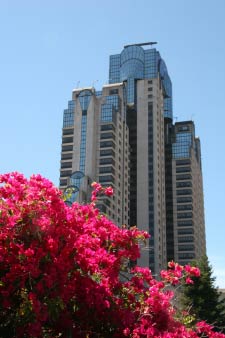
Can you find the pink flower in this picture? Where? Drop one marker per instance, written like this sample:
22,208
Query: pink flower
108,191
188,280
67,269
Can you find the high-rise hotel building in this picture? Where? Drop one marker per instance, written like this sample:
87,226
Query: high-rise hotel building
124,136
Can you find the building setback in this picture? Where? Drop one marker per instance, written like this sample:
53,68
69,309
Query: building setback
124,136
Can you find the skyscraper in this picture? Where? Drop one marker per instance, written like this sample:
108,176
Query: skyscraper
188,220
124,136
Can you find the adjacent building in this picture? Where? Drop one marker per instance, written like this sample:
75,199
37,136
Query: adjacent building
188,207
124,136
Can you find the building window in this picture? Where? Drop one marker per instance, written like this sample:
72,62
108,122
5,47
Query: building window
185,231
103,170
68,118
188,223
65,173
186,256
183,162
184,184
184,199
67,140
83,141
67,148
63,182
185,239
183,177
109,108
107,127
184,192
107,144
66,165
109,160
181,207
183,128
107,135
184,215
68,131
67,156
181,148
107,152
106,178
113,91
189,247
183,169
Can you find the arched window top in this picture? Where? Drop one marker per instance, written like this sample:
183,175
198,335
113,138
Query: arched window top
132,63
132,52
84,98
85,92
77,175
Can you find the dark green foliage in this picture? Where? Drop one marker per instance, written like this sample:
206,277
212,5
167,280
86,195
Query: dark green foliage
204,299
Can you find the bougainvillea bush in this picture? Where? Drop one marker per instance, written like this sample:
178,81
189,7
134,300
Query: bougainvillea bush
65,271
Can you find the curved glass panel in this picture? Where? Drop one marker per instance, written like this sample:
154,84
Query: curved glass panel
132,52
76,178
77,175
84,98
132,63
70,194
132,69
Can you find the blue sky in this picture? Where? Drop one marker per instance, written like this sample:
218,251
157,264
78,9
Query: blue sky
47,47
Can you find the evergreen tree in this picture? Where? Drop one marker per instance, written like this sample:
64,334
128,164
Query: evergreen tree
203,298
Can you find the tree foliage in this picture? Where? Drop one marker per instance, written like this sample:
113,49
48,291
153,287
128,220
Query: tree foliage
64,271
203,298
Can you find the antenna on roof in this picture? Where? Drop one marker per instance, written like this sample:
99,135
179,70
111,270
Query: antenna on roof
141,44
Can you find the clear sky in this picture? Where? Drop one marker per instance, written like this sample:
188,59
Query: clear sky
48,46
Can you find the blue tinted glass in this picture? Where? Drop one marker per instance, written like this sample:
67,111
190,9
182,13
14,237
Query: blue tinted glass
83,143
136,63
132,63
151,61
114,69
84,98
109,108
68,115
167,87
98,93
76,179
181,149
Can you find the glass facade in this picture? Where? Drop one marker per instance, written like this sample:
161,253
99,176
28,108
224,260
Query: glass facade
109,108
71,192
76,178
182,146
135,63
84,99
68,115
83,141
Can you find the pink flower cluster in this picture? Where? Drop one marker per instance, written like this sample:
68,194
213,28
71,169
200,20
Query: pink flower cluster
177,272
99,190
64,271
